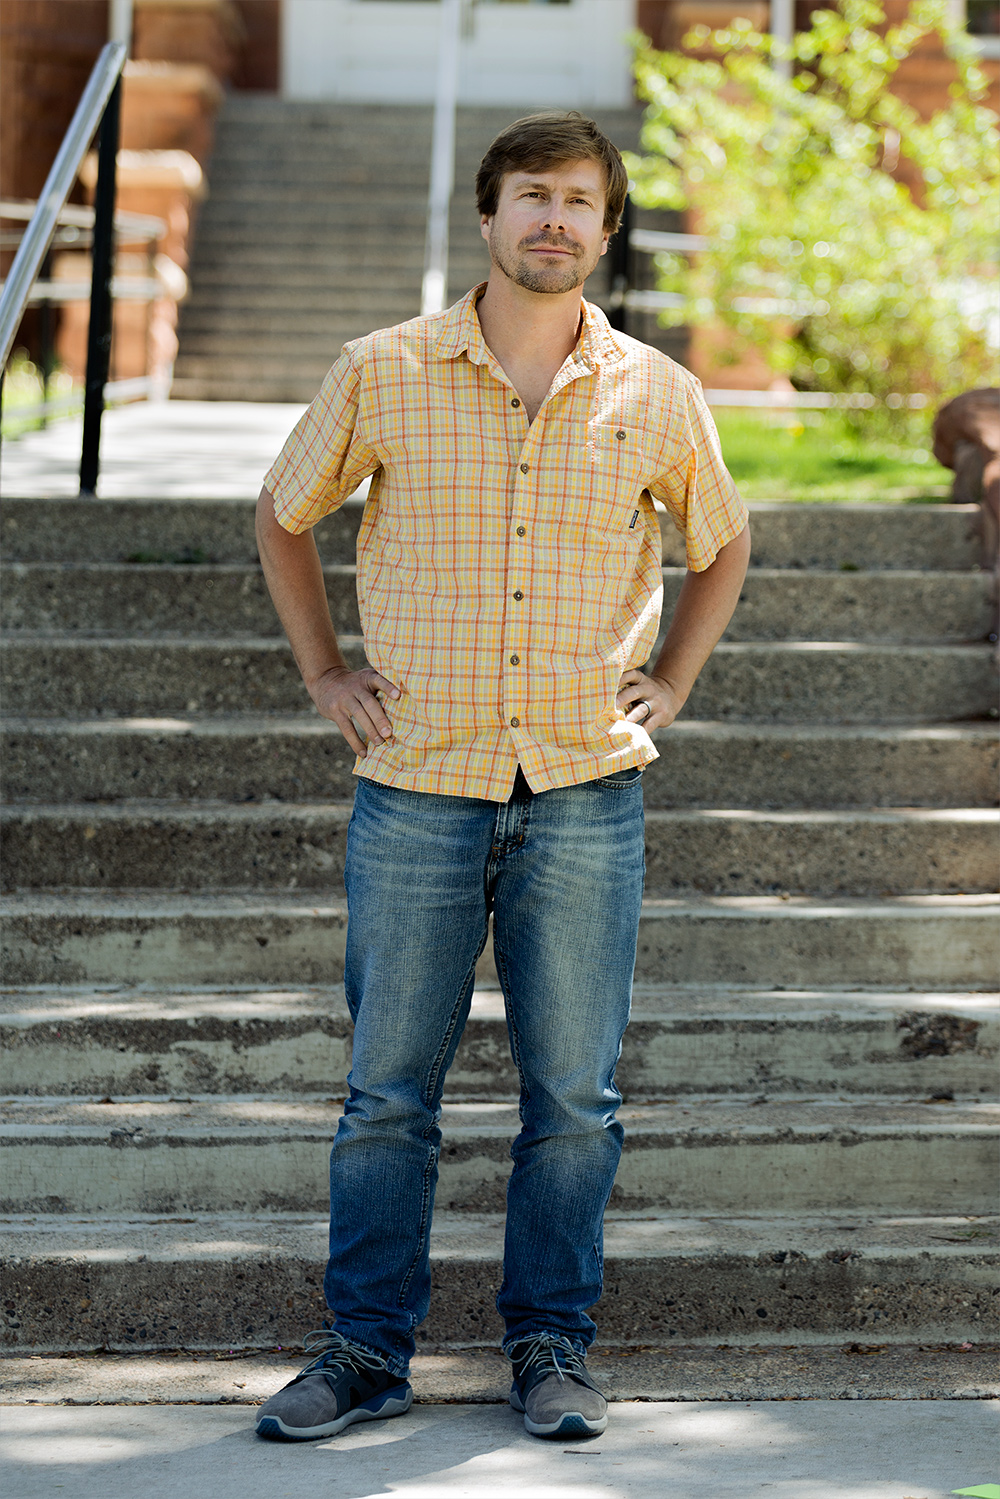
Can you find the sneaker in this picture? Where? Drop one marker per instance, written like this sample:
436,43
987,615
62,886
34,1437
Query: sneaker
343,1384
553,1389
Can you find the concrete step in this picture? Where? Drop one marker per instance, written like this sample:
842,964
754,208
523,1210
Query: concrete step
321,267
805,682
803,1371
79,1041
211,329
374,123
321,271
232,598
139,937
312,332
229,384
223,378
314,348
305,219
237,1281
855,538
303,758
727,1154
295,846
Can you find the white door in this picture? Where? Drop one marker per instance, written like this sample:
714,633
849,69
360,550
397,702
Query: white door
568,54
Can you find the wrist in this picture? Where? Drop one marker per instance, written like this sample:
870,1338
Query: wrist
314,680
675,689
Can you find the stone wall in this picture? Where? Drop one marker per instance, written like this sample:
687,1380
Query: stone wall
184,54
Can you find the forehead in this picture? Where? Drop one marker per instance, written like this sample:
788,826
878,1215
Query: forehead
585,175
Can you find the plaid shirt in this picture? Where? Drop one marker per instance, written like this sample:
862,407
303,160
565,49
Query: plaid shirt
508,573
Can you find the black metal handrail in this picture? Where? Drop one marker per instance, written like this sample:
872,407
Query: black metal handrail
99,109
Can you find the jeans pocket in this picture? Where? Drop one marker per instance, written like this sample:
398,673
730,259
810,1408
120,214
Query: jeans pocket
619,778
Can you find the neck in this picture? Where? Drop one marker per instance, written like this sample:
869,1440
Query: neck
519,324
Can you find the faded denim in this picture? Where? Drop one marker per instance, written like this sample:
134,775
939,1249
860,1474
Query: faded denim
562,873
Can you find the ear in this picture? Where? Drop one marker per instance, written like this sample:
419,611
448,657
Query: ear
604,244
485,224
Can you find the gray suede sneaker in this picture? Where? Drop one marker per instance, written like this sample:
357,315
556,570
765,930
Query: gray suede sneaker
343,1384
553,1389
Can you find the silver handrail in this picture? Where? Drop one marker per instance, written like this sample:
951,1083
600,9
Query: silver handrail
27,262
434,290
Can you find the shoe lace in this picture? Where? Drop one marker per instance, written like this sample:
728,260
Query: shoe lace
552,1353
334,1353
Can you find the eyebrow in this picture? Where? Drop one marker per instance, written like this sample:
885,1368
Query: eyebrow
587,192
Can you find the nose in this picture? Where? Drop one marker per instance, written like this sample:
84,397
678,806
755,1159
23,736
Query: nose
555,215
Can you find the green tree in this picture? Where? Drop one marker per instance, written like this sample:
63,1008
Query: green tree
818,257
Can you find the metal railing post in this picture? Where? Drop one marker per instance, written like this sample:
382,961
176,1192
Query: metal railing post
99,331
620,269
45,320
782,31
435,283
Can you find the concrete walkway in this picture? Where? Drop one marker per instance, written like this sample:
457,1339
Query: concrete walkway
178,449
797,1450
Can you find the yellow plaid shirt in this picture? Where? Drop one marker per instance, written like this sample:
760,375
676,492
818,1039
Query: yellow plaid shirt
508,573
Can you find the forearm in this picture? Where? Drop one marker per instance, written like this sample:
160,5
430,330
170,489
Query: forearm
294,576
704,608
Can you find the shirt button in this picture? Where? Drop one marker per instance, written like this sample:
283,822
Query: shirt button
515,660
518,594
515,402
619,435
521,531
524,468
515,723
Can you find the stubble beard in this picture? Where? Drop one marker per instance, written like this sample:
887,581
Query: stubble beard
552,279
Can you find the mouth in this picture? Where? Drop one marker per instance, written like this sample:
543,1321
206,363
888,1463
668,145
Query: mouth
550,250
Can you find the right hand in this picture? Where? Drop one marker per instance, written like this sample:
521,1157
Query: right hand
348,699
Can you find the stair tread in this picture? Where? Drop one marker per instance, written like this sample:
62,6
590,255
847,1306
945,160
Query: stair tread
980,650
45,1005
264,811
123,901
309,724
206,1236
718,1118
891,578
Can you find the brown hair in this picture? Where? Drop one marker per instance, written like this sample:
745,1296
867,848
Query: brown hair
539,142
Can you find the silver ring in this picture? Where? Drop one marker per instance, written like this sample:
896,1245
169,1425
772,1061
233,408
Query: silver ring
647,708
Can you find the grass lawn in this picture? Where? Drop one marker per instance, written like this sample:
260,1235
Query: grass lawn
814,455
808,455
22,388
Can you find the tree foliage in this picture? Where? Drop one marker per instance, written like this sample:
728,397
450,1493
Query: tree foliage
819,258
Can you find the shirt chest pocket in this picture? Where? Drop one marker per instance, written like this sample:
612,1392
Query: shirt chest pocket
615,478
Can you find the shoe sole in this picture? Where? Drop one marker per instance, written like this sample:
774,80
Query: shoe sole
569,1424
394,1402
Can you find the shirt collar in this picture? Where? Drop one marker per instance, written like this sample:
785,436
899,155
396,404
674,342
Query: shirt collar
461,334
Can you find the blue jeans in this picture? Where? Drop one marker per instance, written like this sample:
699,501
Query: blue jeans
562,872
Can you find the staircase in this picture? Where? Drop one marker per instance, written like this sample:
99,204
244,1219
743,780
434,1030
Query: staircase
810,1133
313,234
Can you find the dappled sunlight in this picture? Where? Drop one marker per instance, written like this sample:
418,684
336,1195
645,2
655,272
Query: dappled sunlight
800,1450
161,725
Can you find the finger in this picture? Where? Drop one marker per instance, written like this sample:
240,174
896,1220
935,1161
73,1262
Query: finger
630,678
350,733
366,728
369,715
378,683
633,694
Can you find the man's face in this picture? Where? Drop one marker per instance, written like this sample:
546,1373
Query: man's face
547,234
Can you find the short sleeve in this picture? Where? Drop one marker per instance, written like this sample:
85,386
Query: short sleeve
325,458
695,485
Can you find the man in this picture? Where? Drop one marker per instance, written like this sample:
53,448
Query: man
509,585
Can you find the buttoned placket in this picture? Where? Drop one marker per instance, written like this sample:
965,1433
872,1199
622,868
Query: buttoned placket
515,630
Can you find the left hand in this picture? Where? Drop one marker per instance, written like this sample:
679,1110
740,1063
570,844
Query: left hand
637,693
